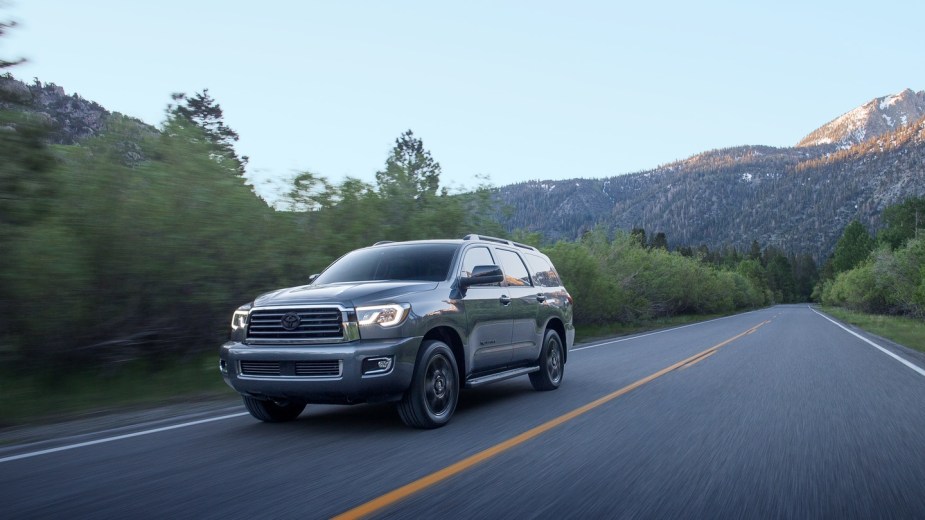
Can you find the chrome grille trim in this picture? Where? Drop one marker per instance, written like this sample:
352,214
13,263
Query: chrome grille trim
318,324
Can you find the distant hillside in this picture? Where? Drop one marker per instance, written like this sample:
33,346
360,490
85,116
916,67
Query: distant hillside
871,120
70,117
798,199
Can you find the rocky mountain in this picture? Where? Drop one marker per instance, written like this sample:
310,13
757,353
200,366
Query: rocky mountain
71,118
875,118
799,199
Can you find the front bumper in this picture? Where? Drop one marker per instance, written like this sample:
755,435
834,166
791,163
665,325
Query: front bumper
346,385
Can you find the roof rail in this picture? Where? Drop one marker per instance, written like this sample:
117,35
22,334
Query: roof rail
379,243
486,238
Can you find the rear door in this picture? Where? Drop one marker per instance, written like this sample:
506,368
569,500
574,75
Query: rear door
548,288
524,307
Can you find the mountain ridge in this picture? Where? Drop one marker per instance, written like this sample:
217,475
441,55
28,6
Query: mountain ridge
797,199
872,119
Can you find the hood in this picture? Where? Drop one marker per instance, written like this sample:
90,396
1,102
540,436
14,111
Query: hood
348,294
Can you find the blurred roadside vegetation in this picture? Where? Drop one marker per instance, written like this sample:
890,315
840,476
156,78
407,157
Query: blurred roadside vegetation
880,275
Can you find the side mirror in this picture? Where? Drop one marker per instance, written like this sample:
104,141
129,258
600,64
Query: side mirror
311,279
481,275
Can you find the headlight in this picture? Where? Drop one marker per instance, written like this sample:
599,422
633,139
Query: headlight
383,315
239,322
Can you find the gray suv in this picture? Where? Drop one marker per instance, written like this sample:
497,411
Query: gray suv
406,322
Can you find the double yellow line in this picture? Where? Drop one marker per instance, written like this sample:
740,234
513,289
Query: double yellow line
407,490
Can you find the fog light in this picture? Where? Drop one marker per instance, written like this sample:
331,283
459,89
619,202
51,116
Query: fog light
222,366
377,365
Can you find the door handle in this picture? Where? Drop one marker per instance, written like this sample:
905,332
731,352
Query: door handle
541,297
505,300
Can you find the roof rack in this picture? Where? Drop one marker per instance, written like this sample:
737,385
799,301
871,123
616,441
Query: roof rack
379,243
497,240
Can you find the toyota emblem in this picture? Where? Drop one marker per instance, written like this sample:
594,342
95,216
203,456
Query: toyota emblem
291,321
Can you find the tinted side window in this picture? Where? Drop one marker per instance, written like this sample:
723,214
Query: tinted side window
542,272
475,256
515,272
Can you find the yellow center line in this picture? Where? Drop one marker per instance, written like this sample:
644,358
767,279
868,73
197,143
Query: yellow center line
407,490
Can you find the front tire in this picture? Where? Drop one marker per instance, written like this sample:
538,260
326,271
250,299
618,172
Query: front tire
434,392
552,363
269,411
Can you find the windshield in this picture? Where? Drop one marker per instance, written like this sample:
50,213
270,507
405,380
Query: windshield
421,262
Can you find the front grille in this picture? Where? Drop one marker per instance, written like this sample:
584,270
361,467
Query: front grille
261,368
317,368
323,368
316,324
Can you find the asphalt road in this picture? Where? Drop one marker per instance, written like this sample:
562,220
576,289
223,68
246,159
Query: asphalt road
793,418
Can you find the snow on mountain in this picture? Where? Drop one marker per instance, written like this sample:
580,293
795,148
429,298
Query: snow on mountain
873,119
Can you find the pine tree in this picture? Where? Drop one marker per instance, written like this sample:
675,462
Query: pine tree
410,171
852,248
903,222
203,111
659,241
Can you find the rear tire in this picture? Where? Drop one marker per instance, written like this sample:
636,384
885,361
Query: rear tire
434,392
552,363
269,411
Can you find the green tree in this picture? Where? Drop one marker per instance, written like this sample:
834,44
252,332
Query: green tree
805,276
852,248
900,274
639,235
26,187
410,171
205,112
311,192
27,191
780,278
408,192
903,222
659,241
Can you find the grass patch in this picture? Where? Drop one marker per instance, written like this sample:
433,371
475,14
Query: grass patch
31,397
909,332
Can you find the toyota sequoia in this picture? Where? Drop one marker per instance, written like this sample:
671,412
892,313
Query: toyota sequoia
404,322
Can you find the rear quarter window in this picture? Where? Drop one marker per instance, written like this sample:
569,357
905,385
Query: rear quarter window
515,272
542,272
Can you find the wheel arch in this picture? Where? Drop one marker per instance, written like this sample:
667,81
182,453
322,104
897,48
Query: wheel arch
557,325
449,336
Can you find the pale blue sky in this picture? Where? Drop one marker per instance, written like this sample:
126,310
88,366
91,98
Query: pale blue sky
513,90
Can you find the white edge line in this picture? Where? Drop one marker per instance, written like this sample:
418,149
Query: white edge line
118,437
906,362
630,338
